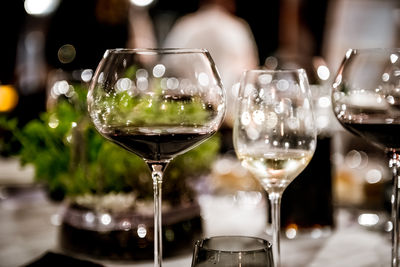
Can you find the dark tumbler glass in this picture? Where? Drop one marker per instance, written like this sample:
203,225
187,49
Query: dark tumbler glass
232,251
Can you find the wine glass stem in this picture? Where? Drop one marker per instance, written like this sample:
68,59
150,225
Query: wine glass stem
157,170
275,201
394,164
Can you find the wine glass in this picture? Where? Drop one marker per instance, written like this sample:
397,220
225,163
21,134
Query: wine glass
232,251
366,101
158,104
274,132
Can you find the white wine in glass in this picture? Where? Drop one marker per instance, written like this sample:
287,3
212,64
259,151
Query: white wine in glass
274,133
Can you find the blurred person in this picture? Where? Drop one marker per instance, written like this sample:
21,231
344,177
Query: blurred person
141,28
227,37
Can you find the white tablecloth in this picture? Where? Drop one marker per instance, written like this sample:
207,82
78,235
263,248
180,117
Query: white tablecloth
28,228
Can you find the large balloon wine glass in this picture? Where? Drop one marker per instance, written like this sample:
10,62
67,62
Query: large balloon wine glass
157,103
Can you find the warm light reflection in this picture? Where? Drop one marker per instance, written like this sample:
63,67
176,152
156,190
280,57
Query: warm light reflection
158,70
8,98
40,7
323,72
142,73
105,219
89,217
272,120
393,58
141,231
203,79
282,85
53,121
258,117
388,226
356,159
385,77
348,53
142,83
373,176
124,84
368,219
172,83
337,81
252,133
55,219
59,88
324,102
316,233
271,63
141,3
245,118
87,75
291,231
126,225
265,78
322,122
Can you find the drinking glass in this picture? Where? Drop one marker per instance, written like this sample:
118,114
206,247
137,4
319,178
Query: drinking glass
274,133
366,101
158,104
232,251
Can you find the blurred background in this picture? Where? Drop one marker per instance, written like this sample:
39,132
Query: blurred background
38,36
41,40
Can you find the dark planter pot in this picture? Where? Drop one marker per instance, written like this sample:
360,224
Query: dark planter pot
128,236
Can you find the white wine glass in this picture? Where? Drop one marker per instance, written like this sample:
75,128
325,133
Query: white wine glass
274,133
158,104
366,101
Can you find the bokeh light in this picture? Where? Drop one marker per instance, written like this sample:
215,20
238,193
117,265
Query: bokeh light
323,72
142,3
8,98
40,7
66,53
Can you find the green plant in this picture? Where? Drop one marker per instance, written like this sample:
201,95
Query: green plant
72,159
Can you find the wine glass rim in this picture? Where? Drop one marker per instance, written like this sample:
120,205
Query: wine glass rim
154,51
299,70
268,245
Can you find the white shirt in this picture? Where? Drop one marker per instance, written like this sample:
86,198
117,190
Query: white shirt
228,39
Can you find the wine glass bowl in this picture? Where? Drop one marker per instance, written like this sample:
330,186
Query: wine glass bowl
366,101
366,95
274,132
156,103
157,93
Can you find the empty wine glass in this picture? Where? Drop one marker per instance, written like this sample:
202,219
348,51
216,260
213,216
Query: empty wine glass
274,133
232,251
366,101
156,103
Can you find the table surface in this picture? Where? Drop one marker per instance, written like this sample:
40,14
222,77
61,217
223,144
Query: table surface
29,224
